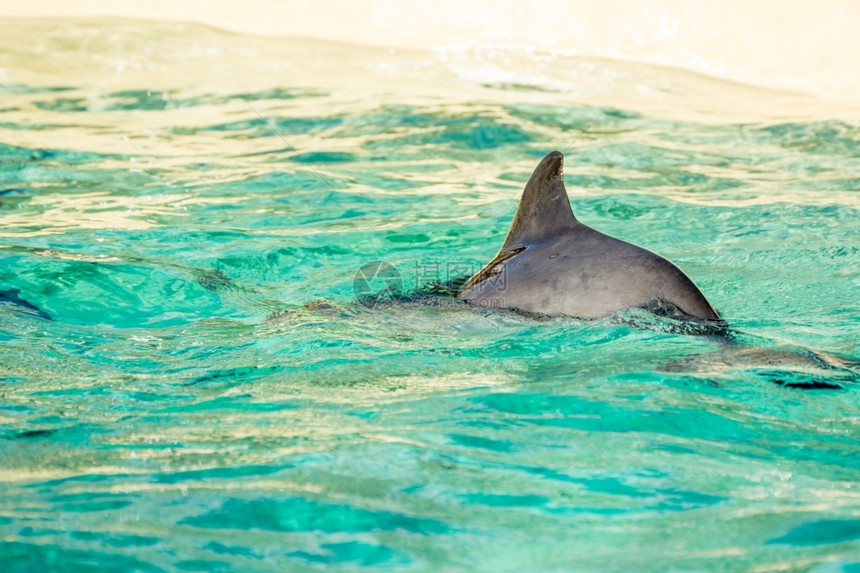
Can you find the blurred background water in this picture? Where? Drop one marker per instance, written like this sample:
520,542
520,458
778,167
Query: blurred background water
187,382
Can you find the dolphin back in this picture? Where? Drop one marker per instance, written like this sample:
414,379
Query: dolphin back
550,263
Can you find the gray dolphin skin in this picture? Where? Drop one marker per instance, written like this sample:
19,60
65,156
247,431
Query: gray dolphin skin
552,264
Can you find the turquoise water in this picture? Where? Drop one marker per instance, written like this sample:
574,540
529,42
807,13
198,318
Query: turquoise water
187,382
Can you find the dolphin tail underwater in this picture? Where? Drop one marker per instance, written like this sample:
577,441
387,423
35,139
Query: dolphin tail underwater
10,296
552,264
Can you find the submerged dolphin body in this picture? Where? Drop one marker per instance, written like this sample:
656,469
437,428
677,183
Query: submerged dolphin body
552,264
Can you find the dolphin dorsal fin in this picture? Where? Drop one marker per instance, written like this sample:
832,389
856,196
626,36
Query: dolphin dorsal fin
544,208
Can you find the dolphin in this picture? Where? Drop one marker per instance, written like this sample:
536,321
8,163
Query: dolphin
552,264
10,296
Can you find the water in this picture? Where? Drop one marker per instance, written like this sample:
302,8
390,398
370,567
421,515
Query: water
187,382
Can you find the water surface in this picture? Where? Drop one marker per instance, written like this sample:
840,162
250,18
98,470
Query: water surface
188,383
